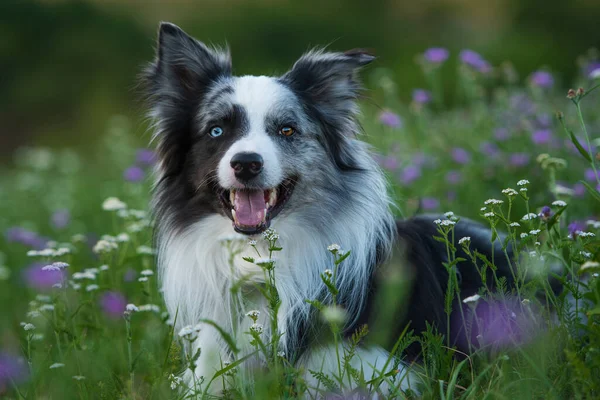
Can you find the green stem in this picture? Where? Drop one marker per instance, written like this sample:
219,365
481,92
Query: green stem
587,139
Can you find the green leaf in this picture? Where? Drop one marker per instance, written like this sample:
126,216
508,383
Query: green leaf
592,191
226,336
574,140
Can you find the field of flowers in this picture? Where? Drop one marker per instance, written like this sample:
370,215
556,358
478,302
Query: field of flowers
82,315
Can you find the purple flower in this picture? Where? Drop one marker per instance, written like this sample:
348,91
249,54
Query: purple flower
454,177
25,237
501,134
37,278
579,190
541,136
421,96
145,157
429,203
410,174
545,213
134,174
461,155
544,120
474,60
12,369
489,149
590,175
519,159
390,119
523,104
591,67
60,219
436,55
575,227
113,304
130,275
542,79
389,162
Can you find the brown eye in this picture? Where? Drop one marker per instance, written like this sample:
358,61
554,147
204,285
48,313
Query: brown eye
287,131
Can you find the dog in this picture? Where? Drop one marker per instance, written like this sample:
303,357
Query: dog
241,155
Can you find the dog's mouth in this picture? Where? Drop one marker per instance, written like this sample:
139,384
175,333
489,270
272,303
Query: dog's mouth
252,210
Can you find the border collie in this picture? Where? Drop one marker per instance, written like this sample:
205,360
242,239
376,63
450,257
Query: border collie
239,155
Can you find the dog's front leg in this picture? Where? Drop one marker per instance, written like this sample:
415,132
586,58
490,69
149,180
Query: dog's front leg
212,357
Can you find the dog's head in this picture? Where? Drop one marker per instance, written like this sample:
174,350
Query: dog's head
251,147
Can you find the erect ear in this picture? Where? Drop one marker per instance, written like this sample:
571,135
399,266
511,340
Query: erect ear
184,69
328,85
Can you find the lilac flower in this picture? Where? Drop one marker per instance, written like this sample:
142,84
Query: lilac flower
590,175
542,136
461,155
522,103
26,237
454,177
489,149
544,120
501,134
60,219
12,369
390,119
579,190
134,174
145,157
545,213
576,226
436,55
390,162
35,277
474,60
592,68
519,159
542,79
410,174
113,304
430,203
421,96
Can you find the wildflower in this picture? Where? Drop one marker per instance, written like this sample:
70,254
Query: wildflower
28,327
256,328
471,299
84,275
509,192
79,377
253,315
580,91
460,155
429,203
571,94
489,215
143,279
334,248
524,235
483,209
501,134
525,302
449,214
149,307
252,242
104,246
436,55
585,254
60,219
146,250
47,307
474,60
542,79
134,174
113,204
270,235
523,190
421,96
281,354
91,288
586,234
175,381
189,332
537,244
589,265
131,308
515,224
493,202
147,272
328,273
534,232
57,365
595,74
528,217
122,238
541,136
74,286
334,315
559,203
464,241
56,266
113,304
593,224
145,157
454,177
390,119
103,267
519,159
264,262
545,213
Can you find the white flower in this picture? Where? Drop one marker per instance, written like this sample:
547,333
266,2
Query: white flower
57,365
187,332
56,266
37,337
281,354
524,235
78,238
57,286
147,272
471,299
150,307
559,203
43,298
146,250
523,182
79,377
589,265
585,254
493,202
91,288
46,253
270,235
445,222
334,248
252,242
253,314
483,209
61,251
563,190
437,221
328,273
593,224
103,267
74,285
515,224
84,275
143,279
529,216
256,328
131,308
122,237
537,243
586,234
509,192
47,307
523,190
595,74
525,302
532,254
334,315
488,214
449,214
29,327
465,240
104,246
176,381
534,232
113,204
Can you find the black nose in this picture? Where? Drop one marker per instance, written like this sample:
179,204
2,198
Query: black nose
246,165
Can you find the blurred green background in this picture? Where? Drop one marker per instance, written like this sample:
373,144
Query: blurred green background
67,66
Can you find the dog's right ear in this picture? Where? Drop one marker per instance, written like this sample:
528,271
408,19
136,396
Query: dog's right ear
184,65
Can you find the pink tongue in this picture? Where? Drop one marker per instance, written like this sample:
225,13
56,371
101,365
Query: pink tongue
249,207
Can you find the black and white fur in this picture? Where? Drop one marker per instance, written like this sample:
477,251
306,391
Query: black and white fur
339,196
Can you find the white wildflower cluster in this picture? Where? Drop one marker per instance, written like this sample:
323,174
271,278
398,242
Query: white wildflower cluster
232,237
328,273
88,273
493,202
131,213
270,235
147,272
175,381
586,234
559,203
79,377
281,354
335,315
122,238
50,252
57,365
149,308
589,265
91,288
55,266
471,299
190,332
450,215
252,242
515,224
253,315
524,235
28,326
488,214
482,209
103,246
585,254
593,224
445,222
113,204
465,241
130,308
146,250
257,328
529,216
523,182
509,192
47,307
535,232
334,248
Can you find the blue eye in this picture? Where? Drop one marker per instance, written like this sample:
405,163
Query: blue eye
216,131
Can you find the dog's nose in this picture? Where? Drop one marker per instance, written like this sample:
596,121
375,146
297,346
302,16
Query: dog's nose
246,165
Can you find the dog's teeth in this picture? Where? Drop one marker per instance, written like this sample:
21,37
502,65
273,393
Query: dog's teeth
265,215
232,196
233,213
273,197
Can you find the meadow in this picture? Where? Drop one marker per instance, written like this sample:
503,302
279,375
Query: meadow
82,315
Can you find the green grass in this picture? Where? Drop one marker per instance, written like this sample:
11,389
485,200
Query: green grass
138,356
